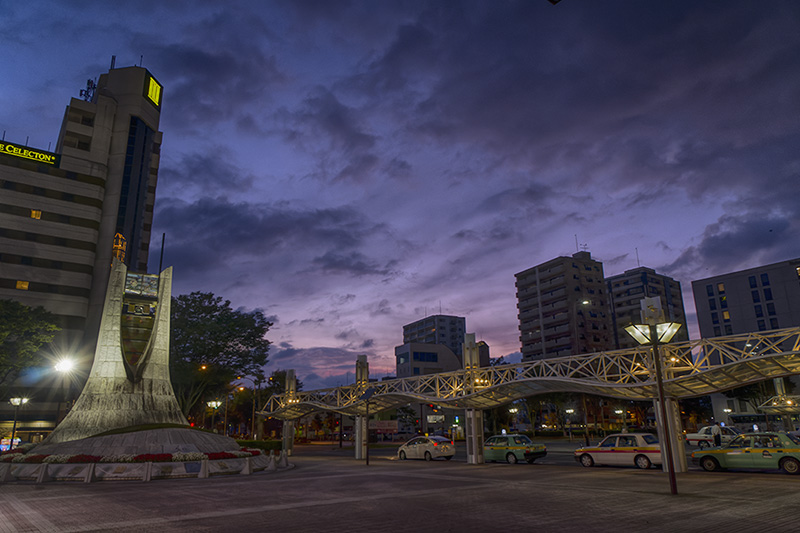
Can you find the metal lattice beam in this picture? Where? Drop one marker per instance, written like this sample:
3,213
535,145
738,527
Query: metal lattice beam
692,368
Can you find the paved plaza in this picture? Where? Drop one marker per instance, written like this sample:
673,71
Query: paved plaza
328,490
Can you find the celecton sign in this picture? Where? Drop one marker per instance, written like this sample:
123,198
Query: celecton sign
23,152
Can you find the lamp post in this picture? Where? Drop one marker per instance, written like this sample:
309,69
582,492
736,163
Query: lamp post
621,414
63,366
256,395
513,411
654,332
569,422
727,413
16,402
214,405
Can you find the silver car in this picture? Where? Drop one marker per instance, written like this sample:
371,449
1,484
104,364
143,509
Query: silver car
427,448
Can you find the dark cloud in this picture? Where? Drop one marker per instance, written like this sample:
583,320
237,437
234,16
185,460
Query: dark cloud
735,243
353,263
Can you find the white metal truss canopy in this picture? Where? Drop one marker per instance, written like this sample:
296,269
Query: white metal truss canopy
692,368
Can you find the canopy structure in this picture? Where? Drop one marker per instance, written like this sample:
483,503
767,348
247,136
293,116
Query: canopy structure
692,368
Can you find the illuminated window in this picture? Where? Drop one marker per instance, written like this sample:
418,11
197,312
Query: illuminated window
22,285
35,213
798,272
726,316
720,288
154,92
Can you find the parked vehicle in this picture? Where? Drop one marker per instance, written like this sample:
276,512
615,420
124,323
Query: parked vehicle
622,449
427,448
512,449
760,451
704,439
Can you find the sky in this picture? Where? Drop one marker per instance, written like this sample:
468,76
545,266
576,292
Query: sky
348,167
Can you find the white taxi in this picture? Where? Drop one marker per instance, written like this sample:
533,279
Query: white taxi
427,448
622,449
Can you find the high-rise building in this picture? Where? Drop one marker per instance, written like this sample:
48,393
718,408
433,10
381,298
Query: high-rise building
756,299
625,293
563,308
438,329
65,214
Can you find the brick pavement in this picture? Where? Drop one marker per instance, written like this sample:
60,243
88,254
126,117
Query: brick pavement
335,493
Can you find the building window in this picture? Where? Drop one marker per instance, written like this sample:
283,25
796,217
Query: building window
753,283
759,312
714,318
764,280
728,329
756,297
773,323
723,302
712,304
798,272
22,285
717,331
721,288
770,308
726,316
416,371
762,326
768,294
35,213
710,290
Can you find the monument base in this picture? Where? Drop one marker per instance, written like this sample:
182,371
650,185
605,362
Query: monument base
167,440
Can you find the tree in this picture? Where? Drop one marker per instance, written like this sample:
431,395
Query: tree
211,344
23,330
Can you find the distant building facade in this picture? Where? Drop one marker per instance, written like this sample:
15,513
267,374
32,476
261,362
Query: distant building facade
625,292
756,299
563,308
419,359
64,214
438,329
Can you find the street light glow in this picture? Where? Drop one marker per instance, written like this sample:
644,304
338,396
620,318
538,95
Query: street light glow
65,365
16,402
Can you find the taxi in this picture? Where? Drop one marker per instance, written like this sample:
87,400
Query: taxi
622,449
758,451
512,449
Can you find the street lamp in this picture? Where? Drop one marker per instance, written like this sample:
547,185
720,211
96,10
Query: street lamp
214,405
256,396
569,422
16,402
654,332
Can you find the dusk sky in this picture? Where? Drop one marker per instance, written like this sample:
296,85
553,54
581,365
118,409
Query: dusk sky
348,167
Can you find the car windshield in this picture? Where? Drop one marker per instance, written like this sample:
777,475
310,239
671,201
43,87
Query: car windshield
522,440
794,438
650,439
739,442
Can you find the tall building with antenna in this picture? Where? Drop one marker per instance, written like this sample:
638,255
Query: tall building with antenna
65,214
562,308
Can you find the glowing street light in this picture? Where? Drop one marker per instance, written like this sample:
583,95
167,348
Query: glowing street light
64,366
213,404
16,402
654,332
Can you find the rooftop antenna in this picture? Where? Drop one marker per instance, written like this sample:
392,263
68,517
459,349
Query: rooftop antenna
440,307
637,257
113,62
50,143
4,135
88,93
27,137
577,249
141,58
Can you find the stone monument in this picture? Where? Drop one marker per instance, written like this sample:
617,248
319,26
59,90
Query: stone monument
129,382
